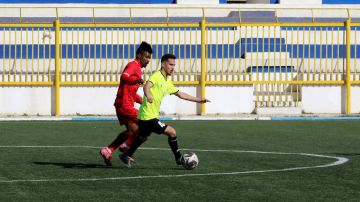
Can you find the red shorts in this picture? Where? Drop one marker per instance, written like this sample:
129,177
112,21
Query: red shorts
127,115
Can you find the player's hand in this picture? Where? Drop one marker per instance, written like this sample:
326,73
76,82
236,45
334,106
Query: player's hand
150,99
204,100
140,81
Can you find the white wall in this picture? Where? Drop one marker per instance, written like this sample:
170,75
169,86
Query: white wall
26,101
321,99
87,100
173,105
224,100
99,101
230,99
355,99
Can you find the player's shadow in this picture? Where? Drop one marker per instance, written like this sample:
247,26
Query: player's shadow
73,165
89,166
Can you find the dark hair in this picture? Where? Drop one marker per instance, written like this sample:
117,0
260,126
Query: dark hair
144,47
168,56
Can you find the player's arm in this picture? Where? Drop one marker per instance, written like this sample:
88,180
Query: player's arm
128,76
188,97
138,99
147,91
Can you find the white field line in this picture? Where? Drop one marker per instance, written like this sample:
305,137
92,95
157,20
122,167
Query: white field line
339,161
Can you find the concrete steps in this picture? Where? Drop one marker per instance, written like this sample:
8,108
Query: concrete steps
268,111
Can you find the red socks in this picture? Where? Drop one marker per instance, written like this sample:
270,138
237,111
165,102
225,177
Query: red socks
131,138
119,140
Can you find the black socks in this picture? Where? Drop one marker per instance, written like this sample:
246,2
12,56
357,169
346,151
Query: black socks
174,147
136,144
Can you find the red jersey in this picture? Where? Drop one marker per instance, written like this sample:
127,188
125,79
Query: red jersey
126,95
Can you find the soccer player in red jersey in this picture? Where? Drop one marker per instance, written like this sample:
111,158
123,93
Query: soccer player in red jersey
126,97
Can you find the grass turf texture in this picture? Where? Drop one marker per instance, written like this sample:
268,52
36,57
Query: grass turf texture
332,138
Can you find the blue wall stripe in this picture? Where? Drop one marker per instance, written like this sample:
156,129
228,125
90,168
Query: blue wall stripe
288,28
323,28
214,51
165,29
341,2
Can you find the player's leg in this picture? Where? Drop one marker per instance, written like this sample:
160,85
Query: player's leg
121,138
172,140
132,133
132,114
161,128
127,157
106,152
143,132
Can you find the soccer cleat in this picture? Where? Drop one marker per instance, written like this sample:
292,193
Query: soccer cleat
123,149
127,160
105,153
180,161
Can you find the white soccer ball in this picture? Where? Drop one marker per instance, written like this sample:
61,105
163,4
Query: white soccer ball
190,160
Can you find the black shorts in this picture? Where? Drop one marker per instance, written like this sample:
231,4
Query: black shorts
149,126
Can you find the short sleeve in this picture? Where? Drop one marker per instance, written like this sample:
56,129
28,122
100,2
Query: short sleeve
172,88
153,79
129,74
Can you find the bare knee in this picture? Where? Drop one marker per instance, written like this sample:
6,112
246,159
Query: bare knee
170,131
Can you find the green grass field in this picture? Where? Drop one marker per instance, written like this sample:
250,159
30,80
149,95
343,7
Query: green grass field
59,161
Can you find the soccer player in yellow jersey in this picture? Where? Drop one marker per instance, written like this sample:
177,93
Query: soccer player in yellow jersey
156,88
